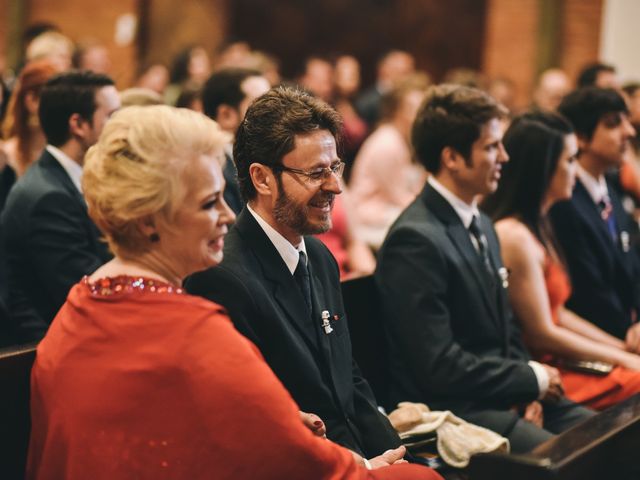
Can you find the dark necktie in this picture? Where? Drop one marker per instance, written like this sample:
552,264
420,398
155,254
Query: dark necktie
606,212
481,242
301,274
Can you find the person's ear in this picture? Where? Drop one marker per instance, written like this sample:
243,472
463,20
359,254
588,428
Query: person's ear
78,126
583,142
31,101
263,179
451,159
147,227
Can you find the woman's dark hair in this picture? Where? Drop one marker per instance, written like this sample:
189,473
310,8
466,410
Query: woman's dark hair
534,142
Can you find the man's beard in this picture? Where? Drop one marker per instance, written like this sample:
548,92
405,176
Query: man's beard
296,217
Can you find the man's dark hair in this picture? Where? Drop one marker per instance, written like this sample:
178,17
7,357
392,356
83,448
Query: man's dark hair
224,88
586,106
270,126
589,74
451,116
65,94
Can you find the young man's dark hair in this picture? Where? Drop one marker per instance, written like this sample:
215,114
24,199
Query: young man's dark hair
270,126
586,106
589,74
65,94
451,116
224,87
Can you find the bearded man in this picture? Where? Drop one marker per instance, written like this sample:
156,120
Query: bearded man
280,286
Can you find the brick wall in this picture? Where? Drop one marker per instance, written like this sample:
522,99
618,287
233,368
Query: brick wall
512,40
83,19
580,36
511,43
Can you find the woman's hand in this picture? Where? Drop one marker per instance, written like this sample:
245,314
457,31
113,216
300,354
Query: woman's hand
314,423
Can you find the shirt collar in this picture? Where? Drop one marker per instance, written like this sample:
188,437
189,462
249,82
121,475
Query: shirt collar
597,187
228,149
290,254
465,211
73,169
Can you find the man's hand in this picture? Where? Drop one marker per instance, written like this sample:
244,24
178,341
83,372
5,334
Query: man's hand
314,423
555,390
388,458
533,414
632,340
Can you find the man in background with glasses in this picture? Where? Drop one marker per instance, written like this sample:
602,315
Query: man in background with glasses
281,286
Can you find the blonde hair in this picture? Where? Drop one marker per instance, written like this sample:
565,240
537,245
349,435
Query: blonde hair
142,97
51,45
136,171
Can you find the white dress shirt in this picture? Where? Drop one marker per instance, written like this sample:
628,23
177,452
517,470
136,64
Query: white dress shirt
596,187
73,169
289,253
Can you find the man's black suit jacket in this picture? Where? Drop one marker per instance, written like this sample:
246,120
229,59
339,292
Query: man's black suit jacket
50,244
605,275
453,341
265,304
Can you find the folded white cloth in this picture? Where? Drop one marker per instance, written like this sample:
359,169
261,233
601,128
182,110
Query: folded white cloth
457,440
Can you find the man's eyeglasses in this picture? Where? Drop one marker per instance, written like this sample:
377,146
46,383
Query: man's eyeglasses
314,177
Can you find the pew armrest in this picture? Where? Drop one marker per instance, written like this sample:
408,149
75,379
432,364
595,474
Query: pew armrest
602,445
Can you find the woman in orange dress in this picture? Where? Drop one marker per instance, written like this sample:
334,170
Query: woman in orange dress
542,149
137,379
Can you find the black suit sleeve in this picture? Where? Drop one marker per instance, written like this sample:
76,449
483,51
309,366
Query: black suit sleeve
224,288
59,243
418,288
378,435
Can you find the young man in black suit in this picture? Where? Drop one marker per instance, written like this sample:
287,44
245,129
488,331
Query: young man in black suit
453,340
280,285
50,240
592,228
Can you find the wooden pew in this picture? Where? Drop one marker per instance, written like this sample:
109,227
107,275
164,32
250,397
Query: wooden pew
603,447
606,446
15,372
363,309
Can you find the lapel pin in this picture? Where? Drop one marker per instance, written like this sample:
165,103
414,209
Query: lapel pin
325,322
624,240
504,276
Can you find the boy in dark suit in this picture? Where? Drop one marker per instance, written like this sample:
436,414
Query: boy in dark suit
592,228
453,340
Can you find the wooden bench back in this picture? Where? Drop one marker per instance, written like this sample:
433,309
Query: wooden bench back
15,424
364,310
603,447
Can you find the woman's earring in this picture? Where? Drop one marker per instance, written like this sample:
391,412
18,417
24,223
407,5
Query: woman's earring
154,237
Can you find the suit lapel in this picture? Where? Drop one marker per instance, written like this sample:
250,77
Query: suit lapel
53,167
461,240
584,203
283,286
319,305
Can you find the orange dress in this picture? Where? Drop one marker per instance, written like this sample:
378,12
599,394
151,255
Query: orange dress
594,391
137,380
